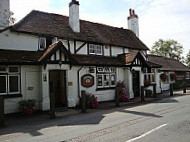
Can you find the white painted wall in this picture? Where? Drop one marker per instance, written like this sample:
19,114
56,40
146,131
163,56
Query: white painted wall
18,41
30,76
116,50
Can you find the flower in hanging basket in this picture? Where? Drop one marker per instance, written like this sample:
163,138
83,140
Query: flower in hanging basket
163,77
173,76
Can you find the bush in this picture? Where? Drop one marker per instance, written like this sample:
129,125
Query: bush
92,101
28,107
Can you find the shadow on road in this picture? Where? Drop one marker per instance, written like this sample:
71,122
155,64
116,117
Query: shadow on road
141,113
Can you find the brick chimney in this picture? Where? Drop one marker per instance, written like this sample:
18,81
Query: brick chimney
74,21
133,23
4,14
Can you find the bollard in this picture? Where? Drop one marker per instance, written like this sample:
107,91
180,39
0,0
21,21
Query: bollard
171,89
154,91
142,93
83,101
52,105
2,117
117,97
184,87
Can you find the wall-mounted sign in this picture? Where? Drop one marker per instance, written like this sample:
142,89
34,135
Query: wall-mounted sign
87,80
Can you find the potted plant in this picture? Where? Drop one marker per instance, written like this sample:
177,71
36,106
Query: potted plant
123,91
92,101
28,107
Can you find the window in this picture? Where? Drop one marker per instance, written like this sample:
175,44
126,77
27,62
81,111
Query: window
44,42
9,80
95,49
106,77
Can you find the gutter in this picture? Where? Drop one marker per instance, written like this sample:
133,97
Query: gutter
78,79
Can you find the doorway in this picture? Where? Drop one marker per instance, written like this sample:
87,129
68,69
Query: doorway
57,85
136,84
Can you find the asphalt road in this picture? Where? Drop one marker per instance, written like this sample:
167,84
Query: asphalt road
167,120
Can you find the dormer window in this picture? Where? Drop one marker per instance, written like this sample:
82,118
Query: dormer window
95,49
45,42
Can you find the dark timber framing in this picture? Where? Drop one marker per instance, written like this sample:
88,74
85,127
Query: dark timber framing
80,47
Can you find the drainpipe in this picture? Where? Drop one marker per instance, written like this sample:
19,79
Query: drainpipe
79,81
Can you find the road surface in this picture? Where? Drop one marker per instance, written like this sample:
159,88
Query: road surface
166,120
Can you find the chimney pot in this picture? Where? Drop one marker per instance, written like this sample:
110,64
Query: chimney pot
130,13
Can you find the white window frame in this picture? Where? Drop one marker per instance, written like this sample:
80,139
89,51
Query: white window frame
91,46
5,70
18,84
42,38
102,71
7,74
6,85
13,72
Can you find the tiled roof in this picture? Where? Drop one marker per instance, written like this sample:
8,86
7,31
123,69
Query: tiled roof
168,64
19,57
47,24
97,60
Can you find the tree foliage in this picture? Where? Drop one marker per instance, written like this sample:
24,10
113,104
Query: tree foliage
11,18
188,59
168,48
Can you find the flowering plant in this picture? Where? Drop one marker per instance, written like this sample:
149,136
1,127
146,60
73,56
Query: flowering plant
163,77
28,107
173,76
123,91
92,101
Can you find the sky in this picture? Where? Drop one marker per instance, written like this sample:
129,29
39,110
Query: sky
158,19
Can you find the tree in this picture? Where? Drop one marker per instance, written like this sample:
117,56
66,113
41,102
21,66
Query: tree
11,18
188,59
168,48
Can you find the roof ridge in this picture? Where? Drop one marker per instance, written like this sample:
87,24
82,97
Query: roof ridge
79,19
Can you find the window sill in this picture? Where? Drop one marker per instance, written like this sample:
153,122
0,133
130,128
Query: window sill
107,88
11,96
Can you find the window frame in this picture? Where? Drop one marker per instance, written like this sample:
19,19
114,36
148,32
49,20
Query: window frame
6,85
95,46
8,74
103,72
39,43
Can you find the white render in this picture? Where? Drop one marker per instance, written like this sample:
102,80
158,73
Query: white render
133,24
74,21
4,14
17,41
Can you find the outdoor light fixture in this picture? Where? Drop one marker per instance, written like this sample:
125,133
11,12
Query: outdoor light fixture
60,63
91,69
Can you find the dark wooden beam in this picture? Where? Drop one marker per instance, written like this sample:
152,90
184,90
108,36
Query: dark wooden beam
80,47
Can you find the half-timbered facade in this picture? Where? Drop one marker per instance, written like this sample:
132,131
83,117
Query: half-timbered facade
48,54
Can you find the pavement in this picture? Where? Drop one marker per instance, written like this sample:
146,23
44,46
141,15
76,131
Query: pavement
13,120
